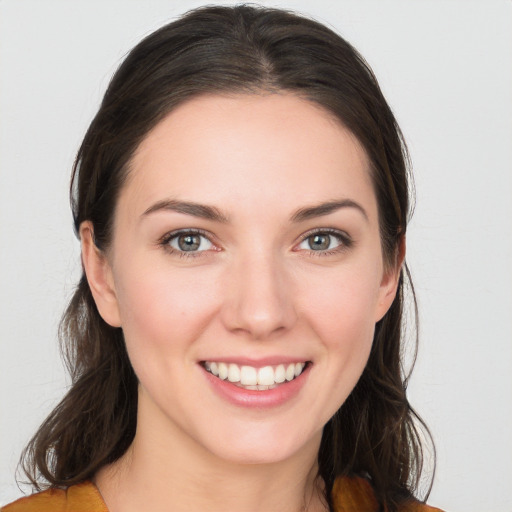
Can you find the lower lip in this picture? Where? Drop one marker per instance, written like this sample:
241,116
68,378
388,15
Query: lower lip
258,399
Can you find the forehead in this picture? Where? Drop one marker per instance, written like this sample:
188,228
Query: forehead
248,149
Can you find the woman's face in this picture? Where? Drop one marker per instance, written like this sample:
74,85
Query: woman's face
246,252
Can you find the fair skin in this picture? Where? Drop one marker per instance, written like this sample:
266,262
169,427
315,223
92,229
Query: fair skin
247,235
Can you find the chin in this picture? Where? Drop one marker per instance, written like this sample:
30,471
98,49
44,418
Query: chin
262,446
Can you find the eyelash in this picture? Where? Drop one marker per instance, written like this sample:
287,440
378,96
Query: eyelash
345,242
167,238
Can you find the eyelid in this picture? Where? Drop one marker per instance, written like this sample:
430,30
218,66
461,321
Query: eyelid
344,238
167,237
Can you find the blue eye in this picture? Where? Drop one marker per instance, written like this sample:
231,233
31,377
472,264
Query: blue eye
322,241
189,242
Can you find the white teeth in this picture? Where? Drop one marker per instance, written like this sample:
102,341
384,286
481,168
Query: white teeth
280,374
262,379
266,376
223,371
248,376
234,373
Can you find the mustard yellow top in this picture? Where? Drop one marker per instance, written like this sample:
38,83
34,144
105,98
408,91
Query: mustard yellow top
349,495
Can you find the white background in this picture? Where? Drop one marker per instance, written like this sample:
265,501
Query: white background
446,69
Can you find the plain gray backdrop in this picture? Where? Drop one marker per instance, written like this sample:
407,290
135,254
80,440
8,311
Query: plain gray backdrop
445,68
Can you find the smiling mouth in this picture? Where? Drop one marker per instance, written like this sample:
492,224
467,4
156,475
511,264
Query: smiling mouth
255,379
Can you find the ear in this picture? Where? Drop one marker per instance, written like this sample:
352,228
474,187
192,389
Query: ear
99,276
389,283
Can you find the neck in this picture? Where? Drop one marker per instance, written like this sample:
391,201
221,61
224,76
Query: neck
169,471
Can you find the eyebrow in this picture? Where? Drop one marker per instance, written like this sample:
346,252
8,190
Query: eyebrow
212,213
327,208
188,208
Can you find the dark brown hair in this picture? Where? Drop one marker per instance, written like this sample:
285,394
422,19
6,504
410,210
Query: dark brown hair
242,49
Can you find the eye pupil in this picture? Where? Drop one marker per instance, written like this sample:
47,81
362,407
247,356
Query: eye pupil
189,242
319,242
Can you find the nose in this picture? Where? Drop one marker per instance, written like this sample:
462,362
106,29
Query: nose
259,300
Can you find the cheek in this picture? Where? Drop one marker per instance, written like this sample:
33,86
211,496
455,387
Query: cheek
162,309
339,310
341,306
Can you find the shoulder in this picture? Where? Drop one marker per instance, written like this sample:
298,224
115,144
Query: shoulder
83,497
355,494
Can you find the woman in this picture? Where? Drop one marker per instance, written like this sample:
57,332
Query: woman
241,198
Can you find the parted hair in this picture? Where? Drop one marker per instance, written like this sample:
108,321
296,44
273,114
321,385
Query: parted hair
235,50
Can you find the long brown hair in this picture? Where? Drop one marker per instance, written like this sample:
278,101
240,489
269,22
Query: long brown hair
242,49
